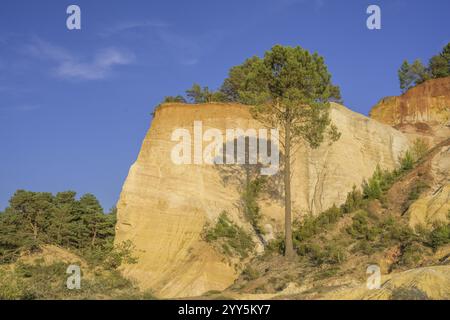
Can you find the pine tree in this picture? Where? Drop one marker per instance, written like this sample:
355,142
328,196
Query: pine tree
289,89
440,64
404,76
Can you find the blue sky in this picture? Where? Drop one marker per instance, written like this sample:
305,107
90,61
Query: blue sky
75,105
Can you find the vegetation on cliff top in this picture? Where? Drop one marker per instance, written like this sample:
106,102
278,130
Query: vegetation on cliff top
416,73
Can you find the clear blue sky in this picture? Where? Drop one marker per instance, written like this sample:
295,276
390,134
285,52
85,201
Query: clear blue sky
75,105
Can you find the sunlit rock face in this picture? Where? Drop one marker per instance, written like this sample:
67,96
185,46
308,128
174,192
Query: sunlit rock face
423,111
164,207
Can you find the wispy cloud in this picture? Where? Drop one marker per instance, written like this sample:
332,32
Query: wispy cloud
187,49
132,26
68,66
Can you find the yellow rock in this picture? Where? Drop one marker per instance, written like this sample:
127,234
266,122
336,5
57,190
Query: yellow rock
163,207
433,281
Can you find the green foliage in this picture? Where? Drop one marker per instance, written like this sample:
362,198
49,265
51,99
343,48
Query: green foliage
395,231
308,228
440,64
417,189
10,287
275,245
177,99
250,273
234,240
37,218
311,226
403,76
290,88
408,294
419,149
361,229
353,201
440,235
416,73
411,255
419,72
407,161
250,201
48,281
197,94
411,75
376,185
326,273
318,255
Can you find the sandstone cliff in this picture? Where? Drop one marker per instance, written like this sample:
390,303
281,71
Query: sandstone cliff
423,111
163,207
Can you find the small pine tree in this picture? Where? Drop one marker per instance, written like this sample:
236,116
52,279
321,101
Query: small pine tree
403,76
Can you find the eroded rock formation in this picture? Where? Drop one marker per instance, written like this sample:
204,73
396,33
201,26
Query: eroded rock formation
422,111
163,207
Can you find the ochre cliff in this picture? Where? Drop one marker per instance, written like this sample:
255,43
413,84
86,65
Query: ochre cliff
163,207
428,102
423,111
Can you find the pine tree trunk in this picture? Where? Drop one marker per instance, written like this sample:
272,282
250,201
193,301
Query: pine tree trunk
289,248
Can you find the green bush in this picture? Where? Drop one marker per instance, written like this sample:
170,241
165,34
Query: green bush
250,273
275,245
234,240
378,183
330,254
408,294
419,148
311,226
40,281
353,201
334,254
360,228
249,198
364,247
440,236
411,255
407,161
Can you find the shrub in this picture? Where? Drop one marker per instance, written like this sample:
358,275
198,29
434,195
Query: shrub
311,226
376,185
276,245
354,201
121,253
327,273
364,247
334,254
249,199
250,273
359,227
407,161
233,239
408,294
177,99
440,236
9,286
419,148
417,189
411,255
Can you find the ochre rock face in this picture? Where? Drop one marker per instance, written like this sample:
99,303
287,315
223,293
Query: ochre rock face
163,207
434,205
427,103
